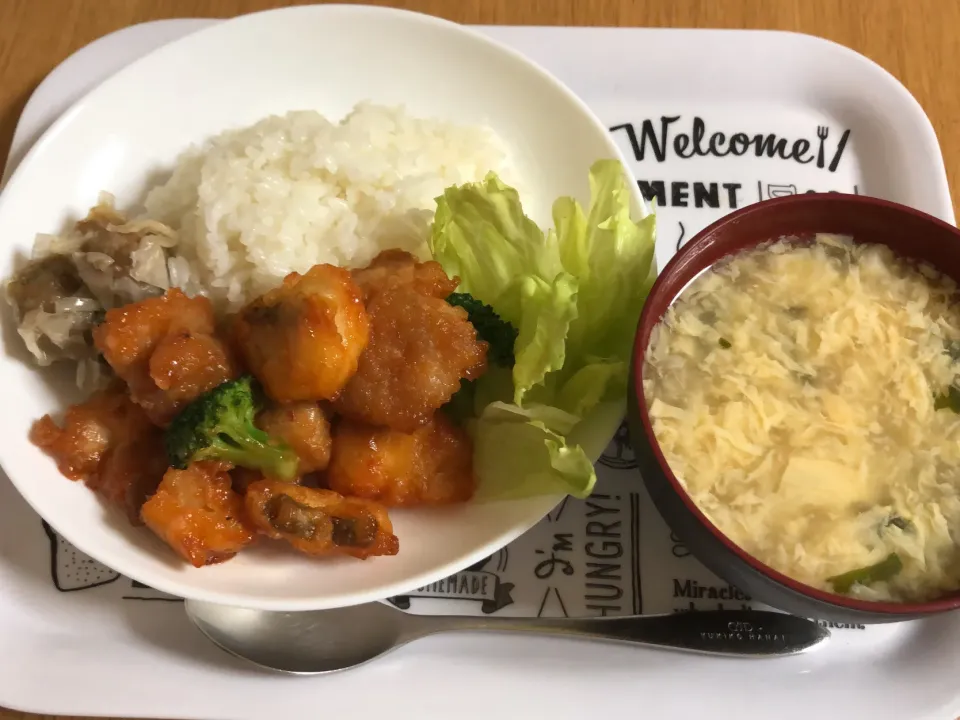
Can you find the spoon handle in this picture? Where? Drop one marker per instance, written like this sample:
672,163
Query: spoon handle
739,633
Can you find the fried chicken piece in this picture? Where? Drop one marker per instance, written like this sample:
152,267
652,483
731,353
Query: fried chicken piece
320,522
431,466
131,472
393,268
186,365
302,340
109,443
420,349
196,512
305,428
88,430
166,350
241,478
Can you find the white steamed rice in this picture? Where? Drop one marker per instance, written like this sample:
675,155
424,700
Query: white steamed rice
254,204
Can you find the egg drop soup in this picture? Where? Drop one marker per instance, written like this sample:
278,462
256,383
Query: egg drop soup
806,396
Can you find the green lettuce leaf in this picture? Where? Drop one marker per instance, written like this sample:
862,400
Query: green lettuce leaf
574,294
546,312
598,380
481,234
502,258
521,452
612,258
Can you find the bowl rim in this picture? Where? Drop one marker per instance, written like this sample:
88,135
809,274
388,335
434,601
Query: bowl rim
648,322
181,585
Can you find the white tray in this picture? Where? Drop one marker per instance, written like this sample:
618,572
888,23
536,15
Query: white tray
76,639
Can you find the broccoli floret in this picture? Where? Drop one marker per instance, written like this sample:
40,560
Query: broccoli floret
461,405
497,332
218,425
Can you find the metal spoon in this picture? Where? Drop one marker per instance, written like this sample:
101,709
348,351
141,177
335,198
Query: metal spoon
323,641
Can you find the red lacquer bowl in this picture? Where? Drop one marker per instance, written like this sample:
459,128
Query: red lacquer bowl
908,232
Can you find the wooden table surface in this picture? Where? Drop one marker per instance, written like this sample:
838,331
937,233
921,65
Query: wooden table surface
916,41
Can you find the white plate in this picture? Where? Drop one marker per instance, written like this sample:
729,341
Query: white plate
326,58
97,644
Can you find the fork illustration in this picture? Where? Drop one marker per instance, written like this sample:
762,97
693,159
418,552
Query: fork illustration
822,132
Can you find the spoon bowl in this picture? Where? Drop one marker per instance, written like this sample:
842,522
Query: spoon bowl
302,642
